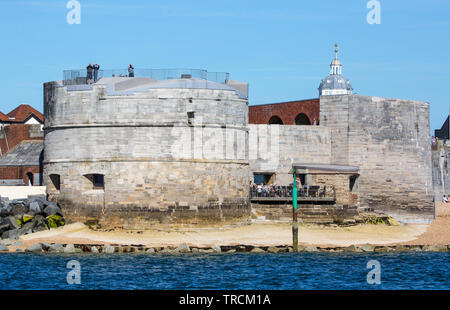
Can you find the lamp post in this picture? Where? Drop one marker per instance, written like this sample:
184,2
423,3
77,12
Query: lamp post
294,214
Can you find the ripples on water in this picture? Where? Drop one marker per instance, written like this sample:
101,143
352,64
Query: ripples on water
226,271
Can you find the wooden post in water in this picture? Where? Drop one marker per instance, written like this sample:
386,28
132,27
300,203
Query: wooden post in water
294,215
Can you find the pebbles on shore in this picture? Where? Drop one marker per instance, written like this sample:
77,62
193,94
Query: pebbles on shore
3,247
185,248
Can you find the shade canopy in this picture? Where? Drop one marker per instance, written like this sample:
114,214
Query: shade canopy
323,169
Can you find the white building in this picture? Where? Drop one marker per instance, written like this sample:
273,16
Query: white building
335,83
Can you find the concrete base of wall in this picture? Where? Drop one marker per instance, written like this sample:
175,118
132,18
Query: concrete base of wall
134,217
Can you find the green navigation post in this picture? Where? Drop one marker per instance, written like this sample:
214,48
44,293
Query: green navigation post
294,214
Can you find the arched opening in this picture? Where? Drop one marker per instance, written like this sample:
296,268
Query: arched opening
30,179
302,119
275,120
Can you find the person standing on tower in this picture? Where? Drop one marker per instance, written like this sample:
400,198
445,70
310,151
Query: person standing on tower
89,70
131,71
96,68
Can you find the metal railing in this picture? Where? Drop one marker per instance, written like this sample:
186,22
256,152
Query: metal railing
277,191
80,77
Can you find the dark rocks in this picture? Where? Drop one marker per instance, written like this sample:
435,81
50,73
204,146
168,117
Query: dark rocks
5,209
109,249
183,248
27,227
240,249
39,222
435,248
25,216
400,248
35,208
52,209
311,249
19,209
70,248
353,248
216,249
367,248
17,244
11,234
258,250
383,249
272,249
34,248
56,248
13,222
208,251
3,228
46,246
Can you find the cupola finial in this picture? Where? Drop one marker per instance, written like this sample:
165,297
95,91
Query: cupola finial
336,49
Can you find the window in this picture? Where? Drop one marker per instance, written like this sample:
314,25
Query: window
275,120
30,179
353,183
302,119
302,179
97,180
264,178
56,181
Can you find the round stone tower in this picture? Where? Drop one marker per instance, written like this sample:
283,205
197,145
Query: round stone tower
138,152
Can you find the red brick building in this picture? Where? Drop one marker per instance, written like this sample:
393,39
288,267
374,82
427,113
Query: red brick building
302,112
21,146
23,164
22,123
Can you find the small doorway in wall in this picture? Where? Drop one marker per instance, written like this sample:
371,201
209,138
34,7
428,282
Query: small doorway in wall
30,179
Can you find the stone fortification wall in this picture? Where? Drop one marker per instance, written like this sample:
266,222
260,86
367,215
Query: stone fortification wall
389,140
274,148
161,163
441,171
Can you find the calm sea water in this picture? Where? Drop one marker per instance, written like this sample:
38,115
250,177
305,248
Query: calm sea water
227,271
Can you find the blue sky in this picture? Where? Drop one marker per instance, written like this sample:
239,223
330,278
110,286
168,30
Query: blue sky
282,48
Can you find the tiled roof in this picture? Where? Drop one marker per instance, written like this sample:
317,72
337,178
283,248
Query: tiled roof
26,153
21,114
3,117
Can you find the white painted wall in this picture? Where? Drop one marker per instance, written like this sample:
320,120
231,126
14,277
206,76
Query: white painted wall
18,192
32,121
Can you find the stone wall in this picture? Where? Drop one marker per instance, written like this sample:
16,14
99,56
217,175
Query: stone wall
338,185
274,148
160,164
307,213
389,140
441,171
139,195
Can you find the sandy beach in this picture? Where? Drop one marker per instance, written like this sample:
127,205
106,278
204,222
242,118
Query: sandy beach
257,234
